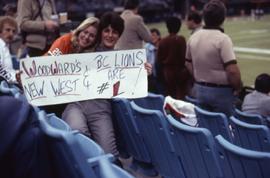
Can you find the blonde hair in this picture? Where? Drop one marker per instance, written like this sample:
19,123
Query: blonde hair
91,21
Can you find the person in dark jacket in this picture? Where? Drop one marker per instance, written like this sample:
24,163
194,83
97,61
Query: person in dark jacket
171,70
23,152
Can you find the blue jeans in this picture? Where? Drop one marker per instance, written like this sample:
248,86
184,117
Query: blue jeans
215,99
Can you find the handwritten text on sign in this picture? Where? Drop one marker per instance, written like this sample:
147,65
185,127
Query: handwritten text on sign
52,80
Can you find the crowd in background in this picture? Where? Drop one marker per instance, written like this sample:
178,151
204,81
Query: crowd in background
203,66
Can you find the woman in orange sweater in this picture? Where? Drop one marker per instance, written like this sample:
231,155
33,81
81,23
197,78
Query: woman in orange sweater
82,39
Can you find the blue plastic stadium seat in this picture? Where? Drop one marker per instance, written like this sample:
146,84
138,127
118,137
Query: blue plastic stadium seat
217,123
129,130
250,136
64,148
77,156
196,148
237,162
131,137
191,100
249,118
89,148
154,129
7,89
13,90
152,101
70,151
56,122
105,169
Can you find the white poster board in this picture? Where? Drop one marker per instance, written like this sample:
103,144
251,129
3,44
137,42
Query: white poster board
49,80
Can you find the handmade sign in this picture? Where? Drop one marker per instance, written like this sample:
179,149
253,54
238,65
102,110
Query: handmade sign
49,80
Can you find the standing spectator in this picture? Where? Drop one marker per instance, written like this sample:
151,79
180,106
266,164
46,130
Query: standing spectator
135,31
151,54
172,72
258,101
211,59
8,29
37,20
194,21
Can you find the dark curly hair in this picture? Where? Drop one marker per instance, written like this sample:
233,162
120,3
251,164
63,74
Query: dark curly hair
214,13
173,24
111,19
132,4
262,83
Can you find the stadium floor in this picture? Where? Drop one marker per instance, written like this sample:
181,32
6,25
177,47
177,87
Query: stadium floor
126,164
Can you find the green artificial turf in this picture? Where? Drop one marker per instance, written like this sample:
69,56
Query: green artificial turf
245,32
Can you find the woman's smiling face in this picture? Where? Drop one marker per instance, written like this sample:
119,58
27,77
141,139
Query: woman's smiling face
109,37
87,37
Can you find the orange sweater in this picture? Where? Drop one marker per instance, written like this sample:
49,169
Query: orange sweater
61,45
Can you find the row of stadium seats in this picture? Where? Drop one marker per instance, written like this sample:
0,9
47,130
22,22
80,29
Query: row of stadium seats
219,147
249,136
245,117
75,154
72,154
178,150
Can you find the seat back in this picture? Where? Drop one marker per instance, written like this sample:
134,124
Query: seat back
128,127
154,128
250,136
8,89
110,170
58,123
237,162
217,123
104,168
195,147
249,118
191,100
89,147
68,160
152,101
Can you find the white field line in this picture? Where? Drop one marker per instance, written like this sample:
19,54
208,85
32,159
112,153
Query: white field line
247,36
252,50
245,56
